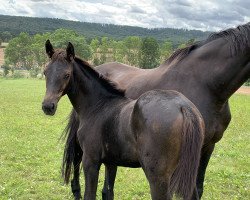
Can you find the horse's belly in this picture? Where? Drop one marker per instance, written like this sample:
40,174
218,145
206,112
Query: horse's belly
122,163
120,154
119,159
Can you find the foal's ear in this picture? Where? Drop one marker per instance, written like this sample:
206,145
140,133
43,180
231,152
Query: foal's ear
49,49
70,52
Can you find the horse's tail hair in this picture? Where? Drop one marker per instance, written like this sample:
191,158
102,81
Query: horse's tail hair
72,149
183,180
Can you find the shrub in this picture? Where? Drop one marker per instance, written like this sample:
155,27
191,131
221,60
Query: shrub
6,70
18,74
247,83
34,72
39,76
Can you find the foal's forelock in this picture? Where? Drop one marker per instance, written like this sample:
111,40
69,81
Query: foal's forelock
59,55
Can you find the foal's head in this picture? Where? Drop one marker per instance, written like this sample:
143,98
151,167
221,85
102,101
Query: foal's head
58,73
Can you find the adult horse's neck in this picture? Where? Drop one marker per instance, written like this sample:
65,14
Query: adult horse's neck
221,63
88,90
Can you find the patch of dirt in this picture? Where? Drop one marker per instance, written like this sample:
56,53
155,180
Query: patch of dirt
243,90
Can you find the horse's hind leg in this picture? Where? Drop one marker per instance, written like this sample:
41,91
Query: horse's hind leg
159,183
159,156
159,187
158,167
75,185
108,188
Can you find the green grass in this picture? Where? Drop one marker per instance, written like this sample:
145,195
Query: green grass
31,153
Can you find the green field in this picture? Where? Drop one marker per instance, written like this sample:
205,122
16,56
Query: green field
31,152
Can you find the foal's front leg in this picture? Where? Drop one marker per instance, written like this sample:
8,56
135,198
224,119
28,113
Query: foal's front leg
75,184
108,188
91,173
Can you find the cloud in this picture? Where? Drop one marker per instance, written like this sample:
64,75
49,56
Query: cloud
205,15
135,9
209,15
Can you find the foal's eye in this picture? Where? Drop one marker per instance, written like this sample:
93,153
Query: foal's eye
66,76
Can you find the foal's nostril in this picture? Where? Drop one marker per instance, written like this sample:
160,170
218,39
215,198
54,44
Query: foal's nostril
52,106
44,107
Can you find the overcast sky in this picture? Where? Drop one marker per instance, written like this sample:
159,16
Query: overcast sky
211,15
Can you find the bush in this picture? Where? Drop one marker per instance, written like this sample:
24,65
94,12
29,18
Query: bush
6,70
18,74
96,61
247,83
39,76
34,72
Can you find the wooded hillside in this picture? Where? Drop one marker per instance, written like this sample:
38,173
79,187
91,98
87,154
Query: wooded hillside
16,24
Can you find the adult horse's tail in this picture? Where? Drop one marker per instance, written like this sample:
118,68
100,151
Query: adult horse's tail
72,147
184,178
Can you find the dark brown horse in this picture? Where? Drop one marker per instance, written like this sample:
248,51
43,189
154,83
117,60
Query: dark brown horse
161,131
207,73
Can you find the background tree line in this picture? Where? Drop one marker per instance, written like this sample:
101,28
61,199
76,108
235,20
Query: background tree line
27,52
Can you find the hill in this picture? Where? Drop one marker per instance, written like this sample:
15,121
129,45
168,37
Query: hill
16,24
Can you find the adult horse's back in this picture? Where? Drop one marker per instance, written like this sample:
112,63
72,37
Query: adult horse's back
207,73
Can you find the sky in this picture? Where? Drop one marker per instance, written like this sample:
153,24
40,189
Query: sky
206,15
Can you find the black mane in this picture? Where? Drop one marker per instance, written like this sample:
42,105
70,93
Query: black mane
238,39
105,82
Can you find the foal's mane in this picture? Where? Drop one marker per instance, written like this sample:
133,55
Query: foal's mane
238,39
105,82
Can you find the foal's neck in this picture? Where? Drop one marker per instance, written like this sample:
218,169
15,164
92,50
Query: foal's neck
87,93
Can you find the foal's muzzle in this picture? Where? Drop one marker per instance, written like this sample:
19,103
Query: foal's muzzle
49,108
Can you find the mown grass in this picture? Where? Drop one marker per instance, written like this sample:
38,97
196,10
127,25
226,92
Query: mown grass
31,153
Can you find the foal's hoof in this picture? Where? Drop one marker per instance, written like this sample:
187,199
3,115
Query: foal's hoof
77,196
109,196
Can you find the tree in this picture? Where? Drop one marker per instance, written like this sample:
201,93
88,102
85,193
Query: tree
132,46
149,54
82,48
28,52
119,51
39,56
94,45
6,67
61,37
5,36
186,44
166,50
104,50
19,52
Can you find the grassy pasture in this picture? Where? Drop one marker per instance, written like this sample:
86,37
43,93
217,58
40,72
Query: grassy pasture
30,151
